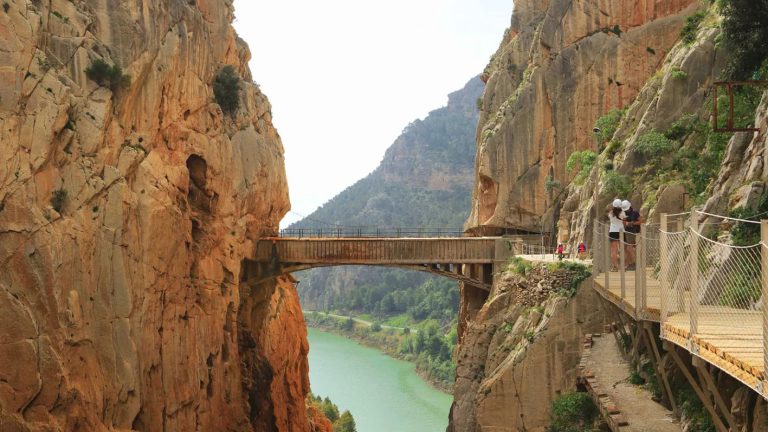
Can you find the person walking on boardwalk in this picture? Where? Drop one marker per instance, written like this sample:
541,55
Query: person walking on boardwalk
582,250
632,229
615,218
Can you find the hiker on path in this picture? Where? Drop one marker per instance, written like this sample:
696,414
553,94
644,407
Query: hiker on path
632,229
615,218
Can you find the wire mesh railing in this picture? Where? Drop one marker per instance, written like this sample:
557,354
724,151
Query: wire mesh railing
704,276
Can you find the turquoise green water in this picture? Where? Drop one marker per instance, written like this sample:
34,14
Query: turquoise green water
383,394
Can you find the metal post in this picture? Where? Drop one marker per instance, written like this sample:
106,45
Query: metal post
694,299
663,283
607,259
621,266
764,269
639,272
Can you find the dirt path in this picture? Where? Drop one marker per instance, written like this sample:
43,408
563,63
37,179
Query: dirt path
642,413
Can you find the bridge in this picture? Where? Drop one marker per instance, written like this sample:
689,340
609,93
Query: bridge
472,260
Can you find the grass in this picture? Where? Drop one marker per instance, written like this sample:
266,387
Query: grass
520,266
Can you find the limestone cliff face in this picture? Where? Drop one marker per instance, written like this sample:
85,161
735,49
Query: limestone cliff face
561,64
521,350
127,216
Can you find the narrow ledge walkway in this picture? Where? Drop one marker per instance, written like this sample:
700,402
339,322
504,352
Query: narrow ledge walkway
611,370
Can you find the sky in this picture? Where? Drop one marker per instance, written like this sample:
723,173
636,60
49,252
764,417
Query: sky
345,77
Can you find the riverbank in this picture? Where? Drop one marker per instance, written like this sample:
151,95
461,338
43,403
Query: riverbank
382,393
429,351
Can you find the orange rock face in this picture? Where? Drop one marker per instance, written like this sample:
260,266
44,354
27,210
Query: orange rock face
561,65
127,216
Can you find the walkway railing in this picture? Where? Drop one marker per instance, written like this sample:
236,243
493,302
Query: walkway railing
705,286
371,232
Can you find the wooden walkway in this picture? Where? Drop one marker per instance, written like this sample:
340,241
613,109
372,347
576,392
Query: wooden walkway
734,347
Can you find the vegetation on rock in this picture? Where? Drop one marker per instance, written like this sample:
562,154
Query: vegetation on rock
582,162
104,74
342,422
58,198
226,90
607,125
573,412
691,27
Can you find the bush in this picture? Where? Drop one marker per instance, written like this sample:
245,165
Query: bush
616,184
635,379
584,161
654,146
375,327
678,73
691,27
226,89
744,233
58,199
608,124
104,74
550,184
573,412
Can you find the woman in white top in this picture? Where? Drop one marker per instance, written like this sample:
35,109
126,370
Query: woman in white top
616,218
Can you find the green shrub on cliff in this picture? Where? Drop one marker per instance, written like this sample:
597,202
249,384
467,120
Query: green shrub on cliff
58,199
226,89
654,146
573,412
583,161
607,125
691,27
104,74
616,185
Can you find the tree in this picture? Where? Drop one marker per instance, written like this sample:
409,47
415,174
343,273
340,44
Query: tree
745,30
345,423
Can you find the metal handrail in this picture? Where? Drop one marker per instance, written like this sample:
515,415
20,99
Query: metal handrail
370,232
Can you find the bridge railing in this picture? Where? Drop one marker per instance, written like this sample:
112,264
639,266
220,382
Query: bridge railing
370,232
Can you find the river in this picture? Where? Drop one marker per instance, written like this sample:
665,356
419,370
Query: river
383,394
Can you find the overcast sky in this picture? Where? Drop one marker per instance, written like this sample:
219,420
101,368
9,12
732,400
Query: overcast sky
346,76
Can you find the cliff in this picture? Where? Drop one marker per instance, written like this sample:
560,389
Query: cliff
128,211
560,65
522,349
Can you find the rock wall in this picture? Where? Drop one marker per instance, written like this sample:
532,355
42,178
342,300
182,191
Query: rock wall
561,64
520,351
127,216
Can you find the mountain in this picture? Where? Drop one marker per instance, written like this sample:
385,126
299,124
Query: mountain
424,180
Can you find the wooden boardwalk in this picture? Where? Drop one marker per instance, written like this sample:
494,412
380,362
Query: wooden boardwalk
730,339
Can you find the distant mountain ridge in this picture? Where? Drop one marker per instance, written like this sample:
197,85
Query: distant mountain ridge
425,177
